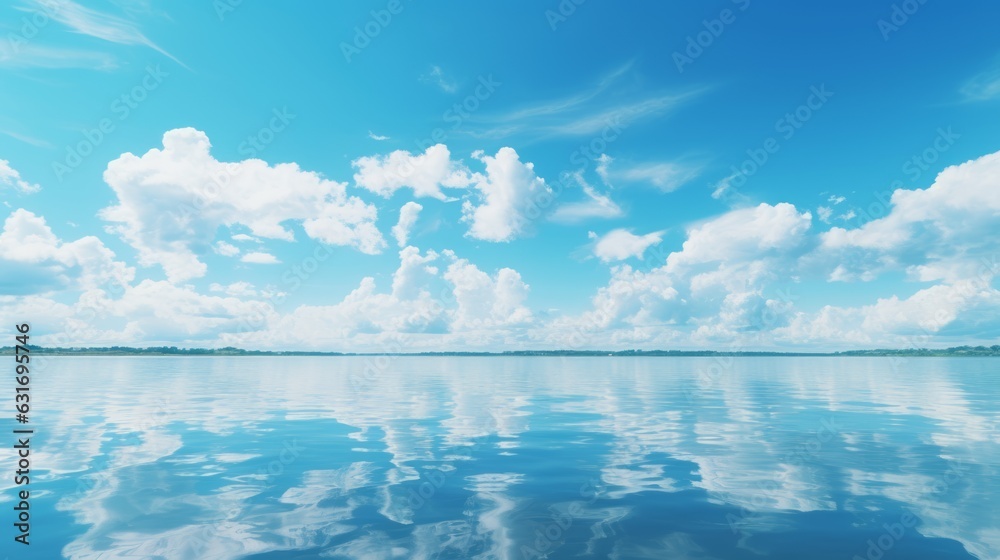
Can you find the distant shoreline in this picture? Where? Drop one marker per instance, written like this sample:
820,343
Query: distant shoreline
958,351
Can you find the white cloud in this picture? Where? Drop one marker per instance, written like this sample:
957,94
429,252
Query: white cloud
428,307
425,173
596,205
485,302
666,176
560,106
722,286
160,311
39,56
33,259
621,244
436,76
365,313
150,313
507,194
9,177
601,110
98,24
729,281
407,218
171,201
836,199
38,143
942,232
377,137
226,249
607,118
725,191
616,117
983,86
238,289
740,235
713,288
603,163
946,314
258,257
413,274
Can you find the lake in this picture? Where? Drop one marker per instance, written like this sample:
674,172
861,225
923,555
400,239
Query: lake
511,457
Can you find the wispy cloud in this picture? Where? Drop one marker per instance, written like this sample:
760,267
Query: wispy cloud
26,139
984,86
725,191
582,114
436,77
667,176
101,25
38,56
621,244
562,105
596,205
9,177
378,137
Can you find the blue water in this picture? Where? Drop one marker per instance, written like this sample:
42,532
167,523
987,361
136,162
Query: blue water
460,457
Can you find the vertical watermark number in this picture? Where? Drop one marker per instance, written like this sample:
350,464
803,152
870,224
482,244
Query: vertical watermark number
22,406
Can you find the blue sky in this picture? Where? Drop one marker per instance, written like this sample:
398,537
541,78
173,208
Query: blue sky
731,174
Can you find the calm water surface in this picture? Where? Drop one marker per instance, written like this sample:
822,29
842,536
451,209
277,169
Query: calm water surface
700,458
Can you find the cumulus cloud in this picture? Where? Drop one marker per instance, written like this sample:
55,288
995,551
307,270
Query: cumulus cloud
426,173
162,311
226,249
741,235
729,281
171,201
940,233
259,257
713,287
238,289
506,195
434,299
732,281
407,218
33,259
621,244
9,177
414,305
948,314
485,301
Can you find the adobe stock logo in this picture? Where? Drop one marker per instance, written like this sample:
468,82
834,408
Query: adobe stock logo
787,126
122,107
698,43
365,34
900,16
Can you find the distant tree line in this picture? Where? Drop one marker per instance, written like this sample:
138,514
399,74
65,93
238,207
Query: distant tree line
231,351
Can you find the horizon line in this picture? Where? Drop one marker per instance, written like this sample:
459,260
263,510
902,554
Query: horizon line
965,350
